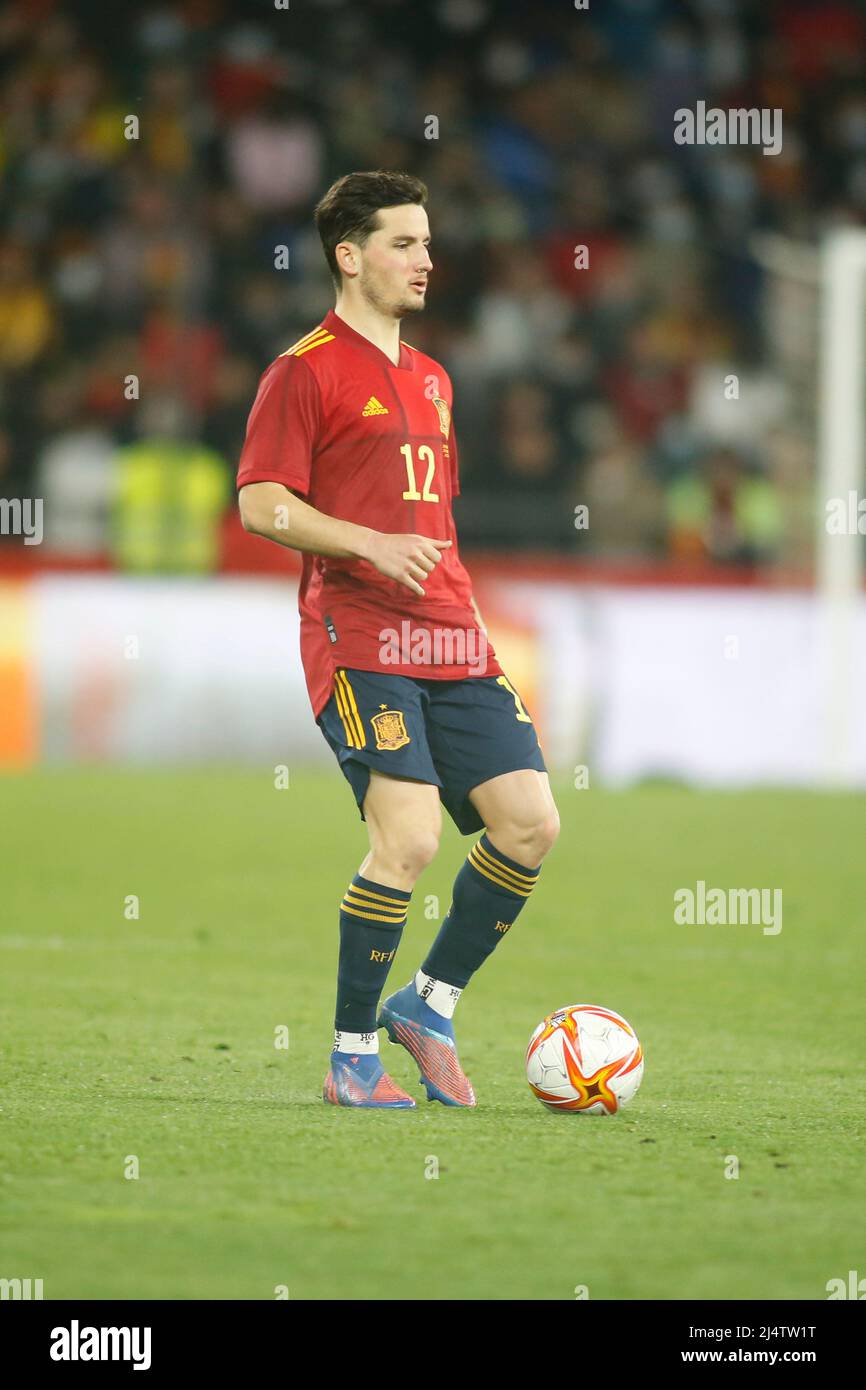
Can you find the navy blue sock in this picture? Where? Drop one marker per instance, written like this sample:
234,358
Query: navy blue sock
372,918
489,892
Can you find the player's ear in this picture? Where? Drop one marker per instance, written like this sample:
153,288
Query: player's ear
346,257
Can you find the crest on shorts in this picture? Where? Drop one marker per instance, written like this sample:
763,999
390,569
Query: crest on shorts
390,729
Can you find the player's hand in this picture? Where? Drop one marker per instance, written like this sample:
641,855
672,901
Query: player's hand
406,558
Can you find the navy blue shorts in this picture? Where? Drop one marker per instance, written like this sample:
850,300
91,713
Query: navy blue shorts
453,734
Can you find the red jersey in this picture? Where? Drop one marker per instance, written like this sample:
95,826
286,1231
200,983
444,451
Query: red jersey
370,442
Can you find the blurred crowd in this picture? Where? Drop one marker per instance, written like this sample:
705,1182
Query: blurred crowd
154,156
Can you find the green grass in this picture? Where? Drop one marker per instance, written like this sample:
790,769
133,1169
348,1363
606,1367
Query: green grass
155,1038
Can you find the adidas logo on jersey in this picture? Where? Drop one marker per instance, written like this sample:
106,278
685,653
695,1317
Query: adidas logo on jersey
374,407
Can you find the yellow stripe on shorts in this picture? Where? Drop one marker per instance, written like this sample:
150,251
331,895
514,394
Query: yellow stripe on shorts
350,705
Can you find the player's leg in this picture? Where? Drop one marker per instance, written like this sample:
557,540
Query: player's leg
375,725
493,776
495,881
519,814
404,821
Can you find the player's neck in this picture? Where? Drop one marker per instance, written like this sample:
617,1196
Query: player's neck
383,333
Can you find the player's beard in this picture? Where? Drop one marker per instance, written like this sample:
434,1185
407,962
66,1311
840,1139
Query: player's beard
377,296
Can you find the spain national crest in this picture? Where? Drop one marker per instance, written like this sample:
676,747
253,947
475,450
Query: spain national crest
390,729
444,412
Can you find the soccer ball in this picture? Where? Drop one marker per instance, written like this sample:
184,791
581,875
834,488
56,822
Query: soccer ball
584,1058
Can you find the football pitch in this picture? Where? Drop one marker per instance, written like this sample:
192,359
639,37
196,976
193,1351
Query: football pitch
158,1140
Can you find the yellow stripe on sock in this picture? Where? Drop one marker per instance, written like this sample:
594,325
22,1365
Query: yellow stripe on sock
371,916
520,880
496,877
381,897
527,878
350,900
503,883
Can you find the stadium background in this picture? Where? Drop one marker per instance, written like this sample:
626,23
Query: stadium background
140,300
671,640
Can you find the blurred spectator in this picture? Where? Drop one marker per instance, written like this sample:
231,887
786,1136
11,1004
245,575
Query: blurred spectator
170,496
594,287
275,158
624,516
75,470
723,512
27,322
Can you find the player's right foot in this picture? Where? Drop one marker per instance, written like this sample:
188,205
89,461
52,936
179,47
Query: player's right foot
361,1081
429,1038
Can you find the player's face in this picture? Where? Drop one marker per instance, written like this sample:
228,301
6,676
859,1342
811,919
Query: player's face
396,262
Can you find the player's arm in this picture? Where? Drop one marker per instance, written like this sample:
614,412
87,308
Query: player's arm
271,510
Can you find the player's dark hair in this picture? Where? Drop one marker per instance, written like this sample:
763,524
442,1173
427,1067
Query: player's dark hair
348,211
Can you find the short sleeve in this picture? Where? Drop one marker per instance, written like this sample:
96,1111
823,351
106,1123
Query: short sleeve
282,428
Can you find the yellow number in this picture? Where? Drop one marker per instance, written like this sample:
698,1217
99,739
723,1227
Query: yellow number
427,495
412,494
521,712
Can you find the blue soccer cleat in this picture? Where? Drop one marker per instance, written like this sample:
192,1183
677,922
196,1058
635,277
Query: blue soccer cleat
429,1038
361,1081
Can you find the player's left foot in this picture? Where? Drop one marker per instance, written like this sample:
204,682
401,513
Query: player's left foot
362,1082
429,1038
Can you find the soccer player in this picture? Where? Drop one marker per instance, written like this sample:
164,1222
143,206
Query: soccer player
350,457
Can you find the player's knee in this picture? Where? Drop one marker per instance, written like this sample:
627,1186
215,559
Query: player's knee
528,843
543,835
412,851
549,831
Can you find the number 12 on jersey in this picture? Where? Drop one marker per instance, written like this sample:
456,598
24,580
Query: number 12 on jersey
425,454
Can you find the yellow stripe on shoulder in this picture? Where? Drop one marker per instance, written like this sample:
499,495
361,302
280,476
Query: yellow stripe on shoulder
309,339
317,342
315,333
